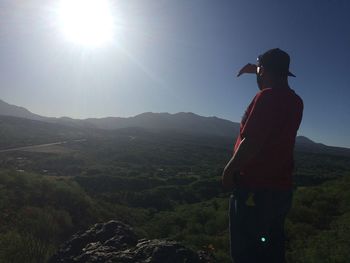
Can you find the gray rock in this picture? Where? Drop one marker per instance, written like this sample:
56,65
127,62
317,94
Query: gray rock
115,242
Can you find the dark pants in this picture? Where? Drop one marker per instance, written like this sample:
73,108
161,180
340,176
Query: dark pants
257,225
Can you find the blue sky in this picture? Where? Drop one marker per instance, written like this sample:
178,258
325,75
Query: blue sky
172,56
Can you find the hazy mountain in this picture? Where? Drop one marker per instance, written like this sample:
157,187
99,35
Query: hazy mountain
179,122
16,111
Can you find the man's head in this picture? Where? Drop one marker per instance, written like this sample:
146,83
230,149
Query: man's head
273,68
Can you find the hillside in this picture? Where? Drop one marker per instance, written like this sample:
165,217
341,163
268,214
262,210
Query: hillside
7,109
304,144
18,132
158,172
164,183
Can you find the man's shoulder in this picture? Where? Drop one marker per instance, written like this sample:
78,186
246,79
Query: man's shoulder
264,95
266,91
277,94
271,98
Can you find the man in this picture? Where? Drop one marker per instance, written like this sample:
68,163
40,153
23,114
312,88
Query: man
260,171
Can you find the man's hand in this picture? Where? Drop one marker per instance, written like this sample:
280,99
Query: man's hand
249,68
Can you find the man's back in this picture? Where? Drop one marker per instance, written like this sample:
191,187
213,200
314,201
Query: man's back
275,114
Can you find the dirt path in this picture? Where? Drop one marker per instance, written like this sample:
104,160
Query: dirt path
32,147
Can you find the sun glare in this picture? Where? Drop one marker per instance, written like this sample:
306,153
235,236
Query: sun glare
86,22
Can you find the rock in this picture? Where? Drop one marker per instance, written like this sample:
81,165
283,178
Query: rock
115,241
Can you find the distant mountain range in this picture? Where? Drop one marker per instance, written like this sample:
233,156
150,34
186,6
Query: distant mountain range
182,122
179,122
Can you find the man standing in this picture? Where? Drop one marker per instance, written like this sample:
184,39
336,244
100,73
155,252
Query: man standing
260,171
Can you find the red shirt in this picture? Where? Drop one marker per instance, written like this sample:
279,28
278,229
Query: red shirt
274,116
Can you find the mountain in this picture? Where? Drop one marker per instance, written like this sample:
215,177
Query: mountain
185,122
189,123
182,122
16,111
304,144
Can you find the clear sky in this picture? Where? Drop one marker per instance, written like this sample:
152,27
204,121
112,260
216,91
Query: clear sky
179,55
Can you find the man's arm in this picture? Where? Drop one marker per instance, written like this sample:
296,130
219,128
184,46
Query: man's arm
255,133
246,150
249,68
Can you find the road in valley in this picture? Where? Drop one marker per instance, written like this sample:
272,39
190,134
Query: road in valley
31,147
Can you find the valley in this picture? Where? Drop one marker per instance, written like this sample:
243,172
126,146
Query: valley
165,183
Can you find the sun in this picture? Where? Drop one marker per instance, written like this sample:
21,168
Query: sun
86,22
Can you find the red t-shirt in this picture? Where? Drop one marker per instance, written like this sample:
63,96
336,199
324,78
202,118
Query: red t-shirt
274,116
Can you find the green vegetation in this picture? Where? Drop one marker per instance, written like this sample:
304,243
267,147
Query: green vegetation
318,225
165,186
37,213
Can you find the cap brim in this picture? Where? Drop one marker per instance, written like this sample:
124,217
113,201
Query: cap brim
291,74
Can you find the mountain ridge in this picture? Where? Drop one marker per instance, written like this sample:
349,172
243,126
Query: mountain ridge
183,122
7,109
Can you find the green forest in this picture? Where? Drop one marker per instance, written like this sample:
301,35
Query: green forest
164,185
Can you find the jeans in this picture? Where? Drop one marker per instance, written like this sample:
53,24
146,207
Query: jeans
257,225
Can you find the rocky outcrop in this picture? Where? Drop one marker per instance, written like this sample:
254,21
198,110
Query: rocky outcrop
116,242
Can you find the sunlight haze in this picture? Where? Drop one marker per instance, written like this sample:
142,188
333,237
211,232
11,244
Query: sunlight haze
86,22
100,58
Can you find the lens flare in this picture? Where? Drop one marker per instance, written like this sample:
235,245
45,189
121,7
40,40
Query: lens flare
86,22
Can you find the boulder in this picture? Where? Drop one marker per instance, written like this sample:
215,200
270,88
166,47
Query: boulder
115,241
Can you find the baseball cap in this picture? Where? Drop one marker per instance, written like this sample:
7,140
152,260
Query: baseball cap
275,60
